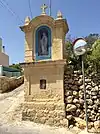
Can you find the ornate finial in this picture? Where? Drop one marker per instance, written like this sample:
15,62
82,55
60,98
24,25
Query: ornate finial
44,7
59,15
27,20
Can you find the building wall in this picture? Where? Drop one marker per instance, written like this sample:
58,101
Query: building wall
1,70
0,45
4,59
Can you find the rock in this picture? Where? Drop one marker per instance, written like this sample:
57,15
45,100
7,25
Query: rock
94,97
92,117
90,125
75,93
98,117
80,82
78,72
87,80
69,117
93,84
75,75
77,105
78,111
97,102
81,94
89,102
97,124
96,88
70,81
87,96
81,115
98,114
74,88
88,110
69,99
64,122
70,86
90,107
93,112
94,93
7,84
75,130
81,77
81,101
68,93
99,110
95,107
50,121
75,101
88,87
43,120
71,126
81,87
98,95
70,107
80,123
88,92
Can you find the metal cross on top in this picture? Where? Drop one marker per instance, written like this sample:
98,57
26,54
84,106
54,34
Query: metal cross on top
44,7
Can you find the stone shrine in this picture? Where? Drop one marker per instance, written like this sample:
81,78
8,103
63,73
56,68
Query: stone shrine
44,69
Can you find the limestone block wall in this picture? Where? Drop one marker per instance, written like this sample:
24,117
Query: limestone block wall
54,83
74,96
45,113
44,105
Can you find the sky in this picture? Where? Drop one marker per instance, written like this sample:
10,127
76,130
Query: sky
83,17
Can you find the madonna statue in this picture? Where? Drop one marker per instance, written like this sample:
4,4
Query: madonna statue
43,44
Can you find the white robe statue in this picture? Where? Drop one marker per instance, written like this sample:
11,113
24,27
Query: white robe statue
43,45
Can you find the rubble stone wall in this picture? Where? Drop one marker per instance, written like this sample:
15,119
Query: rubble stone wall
8,84
74,96
45,113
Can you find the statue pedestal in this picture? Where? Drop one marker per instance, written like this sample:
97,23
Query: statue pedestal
44,105
49,113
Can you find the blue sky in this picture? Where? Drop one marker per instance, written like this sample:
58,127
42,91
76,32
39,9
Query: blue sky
83,18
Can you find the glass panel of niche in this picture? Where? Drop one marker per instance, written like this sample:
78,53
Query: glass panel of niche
43,43
42,84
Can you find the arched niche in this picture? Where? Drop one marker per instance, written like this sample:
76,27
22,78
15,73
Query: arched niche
43,43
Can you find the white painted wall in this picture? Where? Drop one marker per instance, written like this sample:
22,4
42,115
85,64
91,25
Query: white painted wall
1,70
4,59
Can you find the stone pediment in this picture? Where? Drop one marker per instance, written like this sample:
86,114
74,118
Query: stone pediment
44,20
44,68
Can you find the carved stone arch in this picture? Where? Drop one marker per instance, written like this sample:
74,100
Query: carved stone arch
41,20
43,32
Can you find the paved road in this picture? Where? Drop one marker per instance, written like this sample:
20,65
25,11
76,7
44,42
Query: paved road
10,120
20,130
